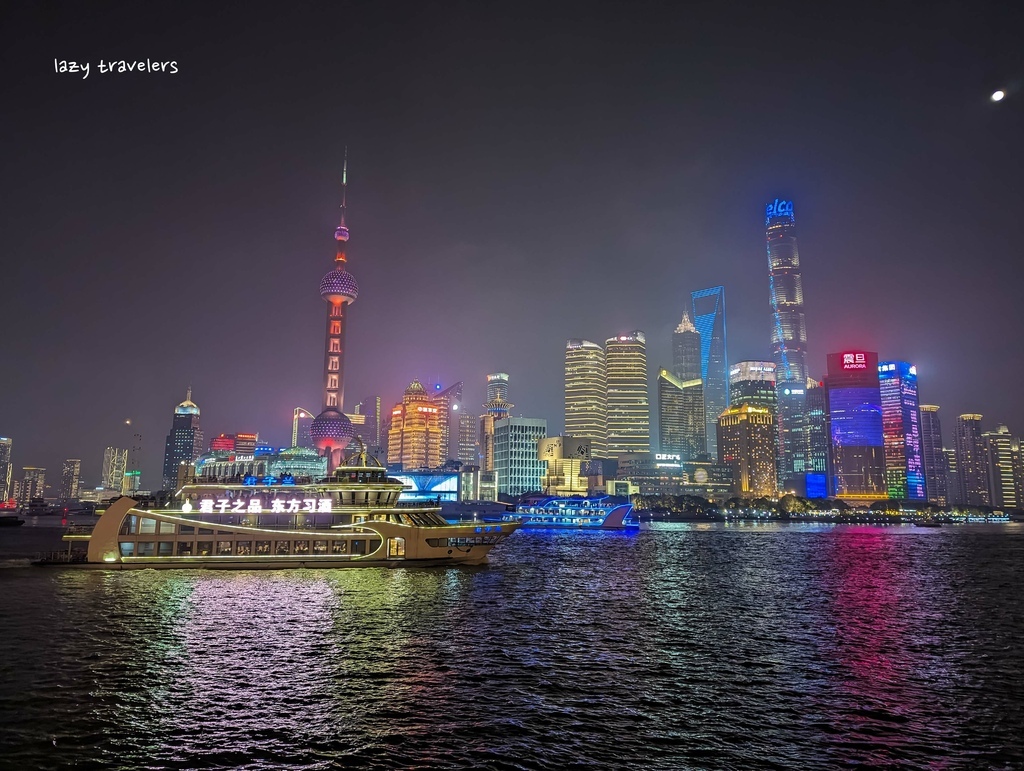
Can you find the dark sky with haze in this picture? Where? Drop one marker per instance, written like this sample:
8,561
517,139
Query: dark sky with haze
519,175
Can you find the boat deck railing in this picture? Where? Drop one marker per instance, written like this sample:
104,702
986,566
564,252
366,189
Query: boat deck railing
62,557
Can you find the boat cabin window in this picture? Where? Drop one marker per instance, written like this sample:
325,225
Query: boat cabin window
204,548
243,547
187,529
339,547
164,549
263,547
223,547
166,527
282,547
319,547
302,547
147,525
184,548
127,548
396,548
145,548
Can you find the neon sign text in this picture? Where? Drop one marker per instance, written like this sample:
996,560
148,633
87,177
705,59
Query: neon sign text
255,506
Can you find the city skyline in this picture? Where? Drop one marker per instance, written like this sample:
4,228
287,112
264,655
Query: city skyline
446,213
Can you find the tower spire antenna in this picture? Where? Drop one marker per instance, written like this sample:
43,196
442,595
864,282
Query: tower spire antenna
344,185
341,232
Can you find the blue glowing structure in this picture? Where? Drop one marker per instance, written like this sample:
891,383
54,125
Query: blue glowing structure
574,513
709,319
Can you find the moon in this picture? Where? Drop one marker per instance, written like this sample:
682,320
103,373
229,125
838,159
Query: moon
998,96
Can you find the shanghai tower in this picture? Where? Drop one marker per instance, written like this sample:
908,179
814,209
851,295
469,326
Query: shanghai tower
789,342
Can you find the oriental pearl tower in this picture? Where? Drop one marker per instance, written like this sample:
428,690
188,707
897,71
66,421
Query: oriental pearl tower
331,431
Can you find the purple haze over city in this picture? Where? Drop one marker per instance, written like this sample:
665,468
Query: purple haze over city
517,177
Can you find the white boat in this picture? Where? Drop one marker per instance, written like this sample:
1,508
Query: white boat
351,518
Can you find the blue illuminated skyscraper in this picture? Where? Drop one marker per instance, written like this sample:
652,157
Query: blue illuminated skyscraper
901,430
857,458
709,319
789,340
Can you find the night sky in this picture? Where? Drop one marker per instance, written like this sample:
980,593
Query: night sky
518,175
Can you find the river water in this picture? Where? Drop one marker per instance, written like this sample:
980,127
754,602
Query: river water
704,646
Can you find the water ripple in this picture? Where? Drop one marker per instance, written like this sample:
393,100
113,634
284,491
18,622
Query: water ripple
704,647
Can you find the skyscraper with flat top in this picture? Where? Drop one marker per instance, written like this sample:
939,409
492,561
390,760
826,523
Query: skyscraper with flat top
629,410
788,338
753,382
1002,482
5,468
586,394
746,443
932,456
709,319
855,423
901,430
69,476
972,473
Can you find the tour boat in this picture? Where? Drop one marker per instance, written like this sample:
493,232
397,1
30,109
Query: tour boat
351,518
573,512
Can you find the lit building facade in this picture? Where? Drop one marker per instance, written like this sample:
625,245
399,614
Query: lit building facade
933,459
629,410
666,474
370,408
753,382
788,338
746,443
686,351
184,444
32,485
901,430
414,440
709,319
70,474
586,394
469,447
565,460
516,461
496,408
818,442
971,466
952,476
5,468
331,430
999,462
857,456
301,463
682,429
